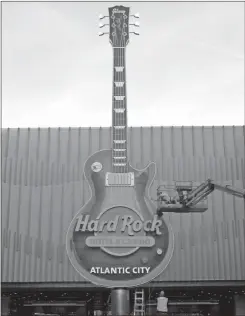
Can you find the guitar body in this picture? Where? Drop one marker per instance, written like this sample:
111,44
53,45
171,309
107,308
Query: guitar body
108,202
105,197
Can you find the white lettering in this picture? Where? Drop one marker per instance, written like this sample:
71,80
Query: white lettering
127,222
120,270
112,225
147,229
156,224
80,222
93,226
92,270
102,225
139,224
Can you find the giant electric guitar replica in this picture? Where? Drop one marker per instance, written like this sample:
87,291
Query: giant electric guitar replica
117,227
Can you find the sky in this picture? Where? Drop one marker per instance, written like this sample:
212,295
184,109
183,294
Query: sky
185,68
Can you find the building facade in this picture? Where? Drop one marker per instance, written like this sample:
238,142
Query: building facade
43,187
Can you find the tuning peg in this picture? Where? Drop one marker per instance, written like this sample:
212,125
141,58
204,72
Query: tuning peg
102,25
136,15
101,16
101,33
135,33
135,24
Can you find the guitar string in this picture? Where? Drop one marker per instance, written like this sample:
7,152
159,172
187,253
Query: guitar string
121,102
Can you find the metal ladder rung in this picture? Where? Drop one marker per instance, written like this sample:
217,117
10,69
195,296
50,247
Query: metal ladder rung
139,303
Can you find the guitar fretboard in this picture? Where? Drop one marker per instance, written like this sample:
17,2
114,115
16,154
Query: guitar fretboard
119,109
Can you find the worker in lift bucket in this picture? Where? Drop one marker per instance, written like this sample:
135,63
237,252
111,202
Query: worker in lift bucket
162,304
168,200
165,198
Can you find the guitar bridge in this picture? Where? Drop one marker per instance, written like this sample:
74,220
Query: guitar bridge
119,179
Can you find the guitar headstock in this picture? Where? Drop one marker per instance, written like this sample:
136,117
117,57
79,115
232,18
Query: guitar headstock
119,25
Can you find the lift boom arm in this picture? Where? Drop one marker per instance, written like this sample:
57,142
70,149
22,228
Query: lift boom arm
206,188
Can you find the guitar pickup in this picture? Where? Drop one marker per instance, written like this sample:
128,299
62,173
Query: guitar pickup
119,179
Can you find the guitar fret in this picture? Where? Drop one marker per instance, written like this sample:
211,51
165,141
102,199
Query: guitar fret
119,97
120,141
119,84
119,69
119,164
119,157
119,127
119,149
119,110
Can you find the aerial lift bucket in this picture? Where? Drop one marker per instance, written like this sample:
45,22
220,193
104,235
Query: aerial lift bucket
170,198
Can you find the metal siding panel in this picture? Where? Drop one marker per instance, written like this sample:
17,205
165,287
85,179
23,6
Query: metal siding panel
208,138
105,136
188,143
177,136
219,141
198,141
203,255
156,150
229,143
135,147
239,140
241,237
94,139
61,146
167,142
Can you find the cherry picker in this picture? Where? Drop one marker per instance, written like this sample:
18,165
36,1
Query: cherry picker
184,197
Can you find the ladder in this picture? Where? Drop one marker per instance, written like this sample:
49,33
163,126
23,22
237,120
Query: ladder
139,302
108,303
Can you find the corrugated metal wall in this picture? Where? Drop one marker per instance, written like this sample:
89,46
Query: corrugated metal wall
43,187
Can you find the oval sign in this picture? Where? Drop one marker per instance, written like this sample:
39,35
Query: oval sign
119,248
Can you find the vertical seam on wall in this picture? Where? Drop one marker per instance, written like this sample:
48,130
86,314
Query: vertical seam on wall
37,157
193,142
203,143
172,152
19,201
89,141
17,148
152,156
7,142
162,153
6,154
68,157
9,195
213,137
141,147
40,203
79,176
29,201
47,158
62,205
27,155
51,204
100,132
224,141
58,158
182,141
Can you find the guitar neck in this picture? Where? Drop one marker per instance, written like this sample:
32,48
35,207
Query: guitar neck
119,112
